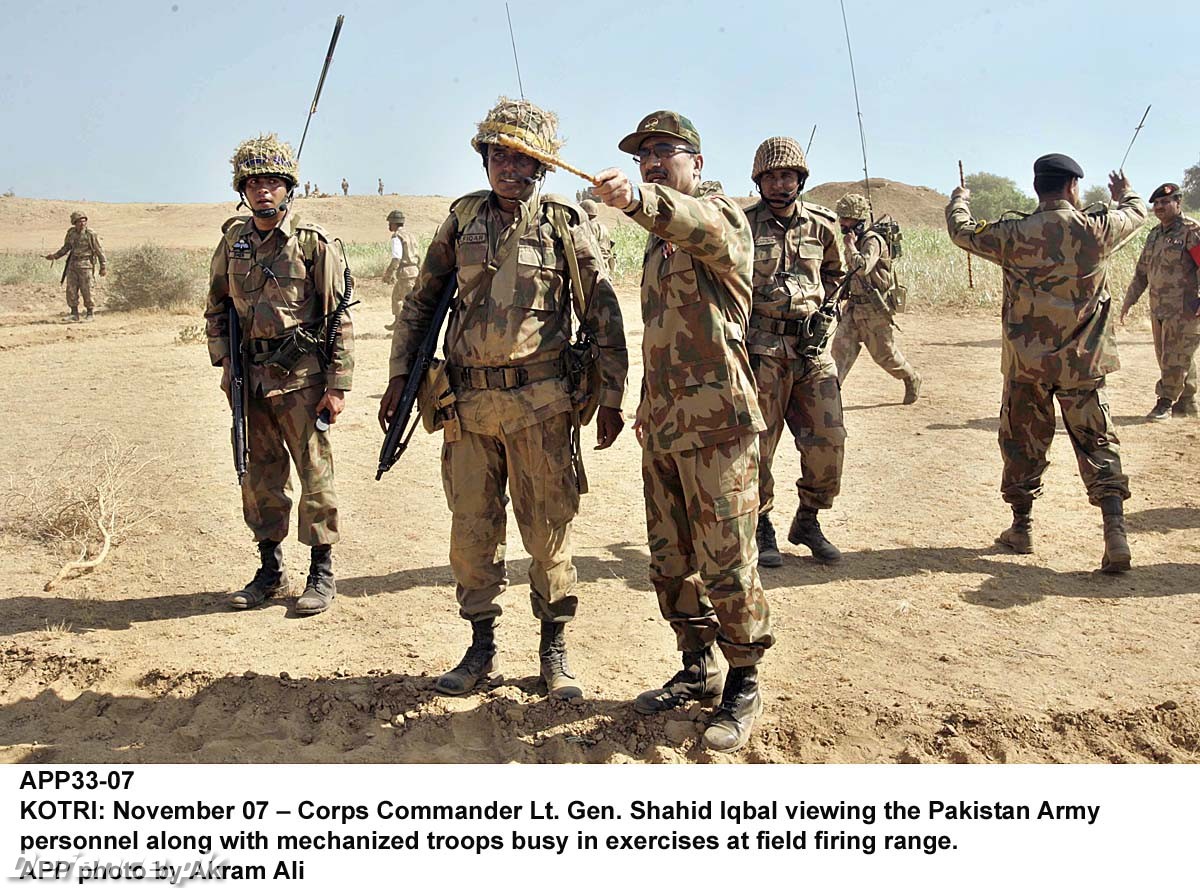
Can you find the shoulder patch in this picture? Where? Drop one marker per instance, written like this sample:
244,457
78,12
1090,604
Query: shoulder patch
824,212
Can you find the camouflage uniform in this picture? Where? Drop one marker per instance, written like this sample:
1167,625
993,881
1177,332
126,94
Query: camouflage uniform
403,271
307,279
503,347
85,251
604,238
700,419
865,321
796,265
1057,336
1168,266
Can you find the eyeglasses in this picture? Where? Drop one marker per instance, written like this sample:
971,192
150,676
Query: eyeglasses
663,151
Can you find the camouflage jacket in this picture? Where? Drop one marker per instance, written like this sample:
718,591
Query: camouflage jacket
84,247
522,316
697,388
1057,315
870,257
796,265
407,267
1168,267
305,281
605,242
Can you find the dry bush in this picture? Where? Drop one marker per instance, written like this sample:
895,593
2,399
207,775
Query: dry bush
89,498
153,277
190,334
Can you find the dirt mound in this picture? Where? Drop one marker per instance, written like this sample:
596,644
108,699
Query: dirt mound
908,204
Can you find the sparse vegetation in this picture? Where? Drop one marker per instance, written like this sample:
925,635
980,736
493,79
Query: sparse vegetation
190,334
87,499
991,195
370,260
153,277
28,268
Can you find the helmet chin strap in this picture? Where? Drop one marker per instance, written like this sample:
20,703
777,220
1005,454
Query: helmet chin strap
779,203
272,212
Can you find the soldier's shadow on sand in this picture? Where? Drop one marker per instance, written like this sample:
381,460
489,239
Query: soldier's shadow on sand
199,717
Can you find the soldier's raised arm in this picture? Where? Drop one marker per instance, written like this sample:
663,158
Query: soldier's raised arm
1119,225
981,239
711,228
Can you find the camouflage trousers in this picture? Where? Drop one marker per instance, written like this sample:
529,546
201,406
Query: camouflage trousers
277,427
701,514
79,283
806,395
535,465
1175,342
1027,428
400,290
863,325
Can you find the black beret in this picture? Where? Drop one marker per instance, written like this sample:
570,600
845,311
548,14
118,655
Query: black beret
1057,165
1167,189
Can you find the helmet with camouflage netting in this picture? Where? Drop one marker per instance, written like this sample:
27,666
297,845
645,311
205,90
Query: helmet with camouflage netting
779,153
77,215
590,207
396,216
853,206
522,121
264,156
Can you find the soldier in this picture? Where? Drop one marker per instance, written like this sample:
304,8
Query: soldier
867,317
797,268
284,278
82,248
402,270
1057,340
1168,266
345,187
307,188
698,423
525,263
604,239
381,187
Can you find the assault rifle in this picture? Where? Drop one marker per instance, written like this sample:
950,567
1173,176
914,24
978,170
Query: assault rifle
400,430
237,394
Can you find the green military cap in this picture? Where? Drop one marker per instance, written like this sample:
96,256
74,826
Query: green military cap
1167,189
666,123
1057,165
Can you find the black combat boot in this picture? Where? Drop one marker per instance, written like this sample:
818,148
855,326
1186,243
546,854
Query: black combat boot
89,315
1161,410
912,387
269,580
768,549
75,314
556,671
1184,407
806,531
478,663
729,727
319,588
1019,537
1116,546
699,679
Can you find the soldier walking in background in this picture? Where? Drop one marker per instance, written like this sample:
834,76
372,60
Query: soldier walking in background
307,188
403,267
867,317
82,248
796,267
1168,266
284,279
1058,340
523,260
698,423
381,187
345,188
604,238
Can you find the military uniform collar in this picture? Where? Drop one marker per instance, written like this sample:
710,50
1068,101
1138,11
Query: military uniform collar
1170,227
287,228
1056,205
525,206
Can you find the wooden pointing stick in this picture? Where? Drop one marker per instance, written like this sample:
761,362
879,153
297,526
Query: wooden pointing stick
542,156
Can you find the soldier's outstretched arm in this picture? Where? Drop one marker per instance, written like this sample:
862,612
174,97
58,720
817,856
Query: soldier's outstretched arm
979,238
1137,286
713,230
1118,226
63,250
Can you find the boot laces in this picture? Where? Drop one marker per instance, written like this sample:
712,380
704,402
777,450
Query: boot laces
475,658
766,536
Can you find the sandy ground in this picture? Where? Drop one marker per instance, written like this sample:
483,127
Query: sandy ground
926,644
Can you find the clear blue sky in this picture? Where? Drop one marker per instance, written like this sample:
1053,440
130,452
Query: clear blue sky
124,101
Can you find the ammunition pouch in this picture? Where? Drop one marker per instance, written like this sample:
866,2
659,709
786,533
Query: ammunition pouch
898,298
581,368
285,352
436,400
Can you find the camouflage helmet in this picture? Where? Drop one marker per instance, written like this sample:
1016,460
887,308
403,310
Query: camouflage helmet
779,153
77,215
264,156
521,120
590,207
853,206
396,216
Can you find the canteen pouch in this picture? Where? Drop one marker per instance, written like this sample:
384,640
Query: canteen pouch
435,402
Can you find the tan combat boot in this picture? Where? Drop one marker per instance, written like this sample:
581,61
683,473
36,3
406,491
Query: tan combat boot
912,388
1116,545
1019,537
